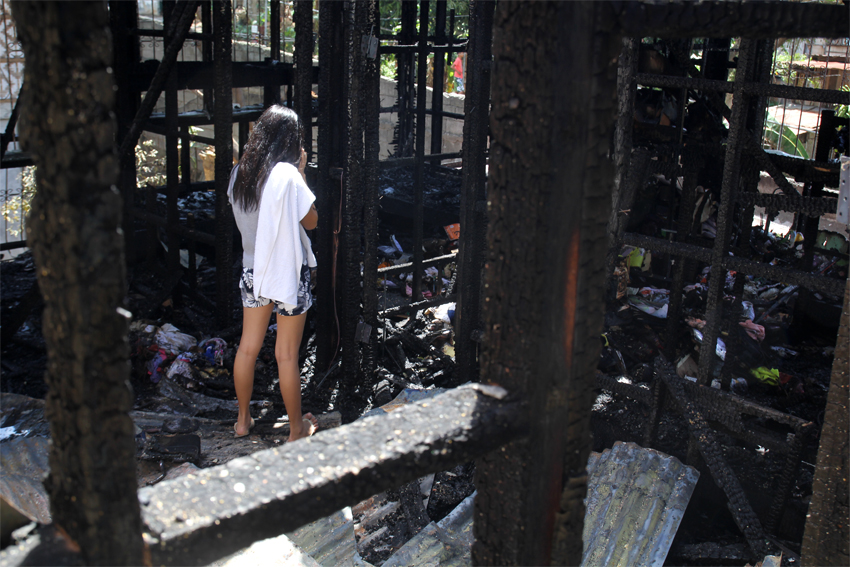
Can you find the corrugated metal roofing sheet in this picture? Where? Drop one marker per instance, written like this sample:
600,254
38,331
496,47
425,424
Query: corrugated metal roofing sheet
636,498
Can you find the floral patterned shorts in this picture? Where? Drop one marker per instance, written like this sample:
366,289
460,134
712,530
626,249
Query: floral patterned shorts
305,295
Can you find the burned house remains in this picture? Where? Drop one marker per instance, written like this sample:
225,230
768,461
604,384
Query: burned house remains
593,309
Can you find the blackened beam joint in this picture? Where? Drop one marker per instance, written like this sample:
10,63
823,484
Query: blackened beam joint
832,286
751,20
809,206
198,518
827,96
724,409
743,513
200,74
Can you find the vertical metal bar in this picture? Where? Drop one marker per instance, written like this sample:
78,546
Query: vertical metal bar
304,69
439,81
419,179
172,165
371,101
731,180
473,210
222,23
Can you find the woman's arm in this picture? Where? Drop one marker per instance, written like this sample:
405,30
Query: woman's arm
311,219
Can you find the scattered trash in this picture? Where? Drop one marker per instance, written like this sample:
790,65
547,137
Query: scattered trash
769,376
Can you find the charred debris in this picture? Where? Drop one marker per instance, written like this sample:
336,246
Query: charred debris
724,286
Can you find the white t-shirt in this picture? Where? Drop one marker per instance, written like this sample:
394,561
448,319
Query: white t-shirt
274,230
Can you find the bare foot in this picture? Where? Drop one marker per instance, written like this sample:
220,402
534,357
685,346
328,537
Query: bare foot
244,430
309,424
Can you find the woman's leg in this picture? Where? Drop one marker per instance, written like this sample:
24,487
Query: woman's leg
255,323
289,331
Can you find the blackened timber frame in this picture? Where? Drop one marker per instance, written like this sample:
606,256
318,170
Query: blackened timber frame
473,204
198,518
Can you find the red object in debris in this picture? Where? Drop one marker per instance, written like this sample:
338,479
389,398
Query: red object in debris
453,230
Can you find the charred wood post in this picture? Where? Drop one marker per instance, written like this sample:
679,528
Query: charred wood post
371,101
73,232
329,159
125,46
626,70
473,204
405,82
271,91
419,171
693,162
222,25
826,537
729,187
809,225
207,53
303,20
351,244
170,15
439,75
550,184
709,448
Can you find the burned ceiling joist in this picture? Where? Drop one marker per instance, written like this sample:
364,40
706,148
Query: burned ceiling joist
752,20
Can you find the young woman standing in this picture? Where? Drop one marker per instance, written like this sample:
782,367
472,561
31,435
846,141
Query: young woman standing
272,207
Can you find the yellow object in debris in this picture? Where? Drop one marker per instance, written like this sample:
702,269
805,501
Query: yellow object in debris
765,375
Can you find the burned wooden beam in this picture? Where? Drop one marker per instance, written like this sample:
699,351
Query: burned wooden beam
827,96
743,513
196,519
751,20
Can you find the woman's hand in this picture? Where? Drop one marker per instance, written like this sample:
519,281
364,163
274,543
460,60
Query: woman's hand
302,165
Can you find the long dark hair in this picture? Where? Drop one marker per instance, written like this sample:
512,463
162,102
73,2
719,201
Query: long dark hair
277,137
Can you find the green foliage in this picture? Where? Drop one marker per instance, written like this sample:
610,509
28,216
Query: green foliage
16,208
150,167
781,137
